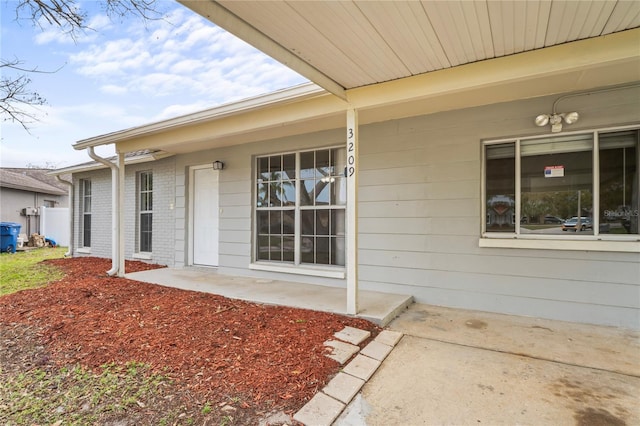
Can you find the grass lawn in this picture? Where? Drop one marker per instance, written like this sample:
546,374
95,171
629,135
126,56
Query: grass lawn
22,270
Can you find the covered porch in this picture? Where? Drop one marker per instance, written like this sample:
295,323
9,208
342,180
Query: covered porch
379,308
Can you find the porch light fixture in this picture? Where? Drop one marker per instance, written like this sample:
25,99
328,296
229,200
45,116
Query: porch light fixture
556,120
218,165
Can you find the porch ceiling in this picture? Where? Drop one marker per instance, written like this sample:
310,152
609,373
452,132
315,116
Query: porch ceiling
342,45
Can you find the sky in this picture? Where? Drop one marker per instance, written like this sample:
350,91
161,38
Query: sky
122,74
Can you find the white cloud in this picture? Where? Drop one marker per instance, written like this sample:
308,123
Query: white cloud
112,89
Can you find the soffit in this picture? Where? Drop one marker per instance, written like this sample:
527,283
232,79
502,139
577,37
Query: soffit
362,43
572,67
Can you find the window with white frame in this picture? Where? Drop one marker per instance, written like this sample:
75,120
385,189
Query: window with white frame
578,184
85,205
145,211
300,207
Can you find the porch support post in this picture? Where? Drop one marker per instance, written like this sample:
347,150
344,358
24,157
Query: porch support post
120,213
352,211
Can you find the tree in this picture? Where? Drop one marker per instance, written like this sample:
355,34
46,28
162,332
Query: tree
16,96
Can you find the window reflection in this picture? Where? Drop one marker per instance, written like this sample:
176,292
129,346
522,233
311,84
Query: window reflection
319,207
619,183
557,184
500,187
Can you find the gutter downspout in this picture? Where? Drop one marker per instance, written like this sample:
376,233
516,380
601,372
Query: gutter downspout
115,215
71,213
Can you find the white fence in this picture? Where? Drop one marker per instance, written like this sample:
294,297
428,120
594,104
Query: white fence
54,224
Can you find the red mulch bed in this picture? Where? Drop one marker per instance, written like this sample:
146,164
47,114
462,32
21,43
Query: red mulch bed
271,356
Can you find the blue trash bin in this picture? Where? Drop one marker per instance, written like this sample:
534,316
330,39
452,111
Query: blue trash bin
9,236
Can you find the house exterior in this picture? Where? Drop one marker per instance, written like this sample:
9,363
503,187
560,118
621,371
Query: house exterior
437,185
23,191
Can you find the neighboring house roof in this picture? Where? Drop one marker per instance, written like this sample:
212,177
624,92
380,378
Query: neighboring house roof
33,180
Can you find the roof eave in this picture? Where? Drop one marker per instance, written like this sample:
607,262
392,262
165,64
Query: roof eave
296,93
87,167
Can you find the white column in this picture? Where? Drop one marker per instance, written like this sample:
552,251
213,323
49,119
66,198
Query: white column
352,212
120,210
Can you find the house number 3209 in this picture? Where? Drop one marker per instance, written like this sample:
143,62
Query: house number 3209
351,153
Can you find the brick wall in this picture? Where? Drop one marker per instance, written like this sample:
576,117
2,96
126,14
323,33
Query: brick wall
100,214
164,189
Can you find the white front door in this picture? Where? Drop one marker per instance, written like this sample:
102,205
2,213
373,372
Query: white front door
205,216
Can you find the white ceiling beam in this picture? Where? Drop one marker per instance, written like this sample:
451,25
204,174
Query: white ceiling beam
230,22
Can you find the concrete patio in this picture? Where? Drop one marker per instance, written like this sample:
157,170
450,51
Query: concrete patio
377,307
461,367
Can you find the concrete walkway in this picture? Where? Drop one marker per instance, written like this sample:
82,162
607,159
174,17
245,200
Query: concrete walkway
379,308
461,367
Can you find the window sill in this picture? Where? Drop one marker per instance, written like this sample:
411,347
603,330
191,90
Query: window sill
586,243
314,271
84,250
142,256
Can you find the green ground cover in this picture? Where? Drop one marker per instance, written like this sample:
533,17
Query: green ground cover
22,270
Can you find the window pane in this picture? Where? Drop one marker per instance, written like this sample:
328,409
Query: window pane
337,222
275,194
322,164
263,248
275,167
288,249
288,222
288,192
307,249
262,195
146,220
556,183
276,247
323,191
275,222
322,222
263,168
501,187
322,251
307,189
339,161
307,165
339,251
339,191
263,222
308,222
86,231
289,166
619,183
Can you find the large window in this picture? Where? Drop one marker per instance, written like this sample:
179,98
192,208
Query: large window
85,205
582,184
300,207
145,206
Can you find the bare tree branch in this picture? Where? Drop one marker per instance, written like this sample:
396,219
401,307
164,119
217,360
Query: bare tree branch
16,99
15,95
